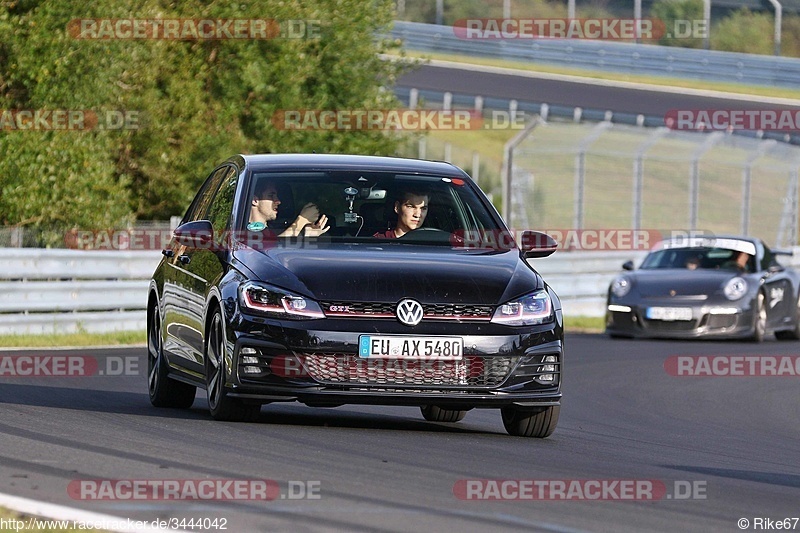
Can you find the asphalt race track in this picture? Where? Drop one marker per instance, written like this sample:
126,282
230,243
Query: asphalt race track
570,93
720,448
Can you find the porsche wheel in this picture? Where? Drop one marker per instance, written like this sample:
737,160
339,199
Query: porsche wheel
759,320
791,334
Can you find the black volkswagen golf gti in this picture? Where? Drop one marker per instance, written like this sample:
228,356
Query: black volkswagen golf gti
339,279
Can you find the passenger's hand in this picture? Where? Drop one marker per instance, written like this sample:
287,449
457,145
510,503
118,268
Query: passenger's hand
308,215
318,228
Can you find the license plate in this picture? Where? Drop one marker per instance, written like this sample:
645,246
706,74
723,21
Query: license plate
669,314
400,347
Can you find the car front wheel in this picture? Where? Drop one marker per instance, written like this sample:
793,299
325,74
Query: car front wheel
540,424
760,319
791,334
164,392
431,413
221,405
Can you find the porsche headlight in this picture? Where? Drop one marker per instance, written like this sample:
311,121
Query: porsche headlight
532,309
735,288
269,300
621,286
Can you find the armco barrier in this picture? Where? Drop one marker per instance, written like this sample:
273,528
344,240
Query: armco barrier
62,291
610,56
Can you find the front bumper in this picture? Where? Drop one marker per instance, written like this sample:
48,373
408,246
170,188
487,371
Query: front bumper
297,361
724,320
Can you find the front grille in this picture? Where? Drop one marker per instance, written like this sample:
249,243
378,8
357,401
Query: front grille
387,310
349,369
669,325
721,321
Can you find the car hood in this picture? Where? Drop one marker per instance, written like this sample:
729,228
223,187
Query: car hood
661,282
390,273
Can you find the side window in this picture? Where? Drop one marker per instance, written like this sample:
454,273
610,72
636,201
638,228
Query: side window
220,209
768,260
200,204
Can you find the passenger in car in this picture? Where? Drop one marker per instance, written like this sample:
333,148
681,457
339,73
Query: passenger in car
264,208
411,208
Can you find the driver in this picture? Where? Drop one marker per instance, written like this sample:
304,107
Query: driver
411,209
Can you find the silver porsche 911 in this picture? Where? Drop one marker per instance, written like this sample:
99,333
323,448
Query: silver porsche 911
706,287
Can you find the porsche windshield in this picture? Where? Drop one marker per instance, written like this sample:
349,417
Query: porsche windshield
700,258
382,207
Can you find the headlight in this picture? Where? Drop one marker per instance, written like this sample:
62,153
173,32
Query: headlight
535,308
735,288
621,286
276,302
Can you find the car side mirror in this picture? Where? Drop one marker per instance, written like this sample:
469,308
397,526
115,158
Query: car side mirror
535,244
627,265
197,234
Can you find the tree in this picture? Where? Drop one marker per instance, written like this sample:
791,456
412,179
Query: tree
673,14
191,102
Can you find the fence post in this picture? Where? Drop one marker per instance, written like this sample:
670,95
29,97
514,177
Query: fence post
747,177
508,163
580,170
476,166
694,176
413,98
638,174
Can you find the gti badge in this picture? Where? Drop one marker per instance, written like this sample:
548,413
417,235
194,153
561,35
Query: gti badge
409,312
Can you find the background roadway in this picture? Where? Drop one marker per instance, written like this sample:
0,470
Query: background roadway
571,93
386,469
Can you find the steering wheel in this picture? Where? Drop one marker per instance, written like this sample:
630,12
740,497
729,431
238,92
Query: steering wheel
427,235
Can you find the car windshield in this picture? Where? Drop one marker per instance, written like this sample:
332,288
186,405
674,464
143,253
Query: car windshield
700,259
369,206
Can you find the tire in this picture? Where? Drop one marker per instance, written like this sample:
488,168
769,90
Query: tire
539,424
791,334
222,406
431,413
164,391
759,320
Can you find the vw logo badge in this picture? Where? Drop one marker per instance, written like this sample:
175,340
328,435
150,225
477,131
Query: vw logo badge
409,312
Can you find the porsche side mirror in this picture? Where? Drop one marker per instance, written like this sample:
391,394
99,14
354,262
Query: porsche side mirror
627,265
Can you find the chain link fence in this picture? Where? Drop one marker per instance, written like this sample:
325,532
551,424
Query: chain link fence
604,175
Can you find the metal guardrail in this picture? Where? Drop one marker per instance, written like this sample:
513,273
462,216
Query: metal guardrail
45,291
609,56
57,303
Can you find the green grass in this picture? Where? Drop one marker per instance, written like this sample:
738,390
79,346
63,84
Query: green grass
584,324
74,339
636,78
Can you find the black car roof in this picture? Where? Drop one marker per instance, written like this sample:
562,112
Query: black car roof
266,162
